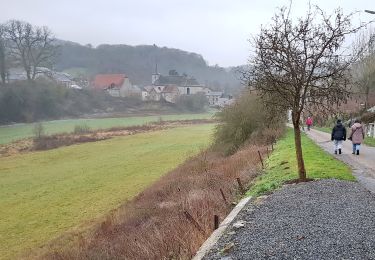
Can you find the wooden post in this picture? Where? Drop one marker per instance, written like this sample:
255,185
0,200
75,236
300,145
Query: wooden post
216,222
194,222
268,155
261,160
272,146
223,195
240,185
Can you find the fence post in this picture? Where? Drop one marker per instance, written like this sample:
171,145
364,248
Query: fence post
261,160
223,195
216,222
194,222
240,185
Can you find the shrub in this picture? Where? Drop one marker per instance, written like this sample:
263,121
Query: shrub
82,129
38,131
194,102
26,101
247,117
368,117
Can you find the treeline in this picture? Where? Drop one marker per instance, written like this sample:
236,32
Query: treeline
139,62
29,101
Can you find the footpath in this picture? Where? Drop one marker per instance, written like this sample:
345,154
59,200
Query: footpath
325,219
363,165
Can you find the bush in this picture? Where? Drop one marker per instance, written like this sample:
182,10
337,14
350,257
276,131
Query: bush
247,117
38,131
193,103
26,101
368,117
82,129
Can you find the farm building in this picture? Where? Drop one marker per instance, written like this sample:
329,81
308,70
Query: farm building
117,85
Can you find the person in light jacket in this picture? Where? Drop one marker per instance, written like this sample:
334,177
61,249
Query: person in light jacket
357,135
338,135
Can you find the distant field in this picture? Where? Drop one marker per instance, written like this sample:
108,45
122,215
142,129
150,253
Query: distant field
19,131
43,194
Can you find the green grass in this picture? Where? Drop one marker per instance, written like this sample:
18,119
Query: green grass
43,194
370,141
318,163
19,131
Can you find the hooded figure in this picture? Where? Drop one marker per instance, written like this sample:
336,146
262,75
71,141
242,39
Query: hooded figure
357,135
338,135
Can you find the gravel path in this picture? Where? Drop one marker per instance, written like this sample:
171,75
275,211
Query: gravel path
326,219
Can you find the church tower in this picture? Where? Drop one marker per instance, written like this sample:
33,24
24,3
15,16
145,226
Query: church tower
155,75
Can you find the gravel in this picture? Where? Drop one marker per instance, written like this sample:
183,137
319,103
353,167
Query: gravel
326,219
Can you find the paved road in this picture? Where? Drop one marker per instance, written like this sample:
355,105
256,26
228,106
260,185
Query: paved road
363,165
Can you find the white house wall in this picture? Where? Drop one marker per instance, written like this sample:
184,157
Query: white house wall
127,89
193,90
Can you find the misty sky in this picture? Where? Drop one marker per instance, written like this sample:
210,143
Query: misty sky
217,29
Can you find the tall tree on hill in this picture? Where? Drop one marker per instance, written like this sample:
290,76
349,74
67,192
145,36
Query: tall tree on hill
30,46
302,65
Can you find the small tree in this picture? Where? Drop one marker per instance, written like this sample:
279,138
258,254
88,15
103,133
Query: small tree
38,131
301,65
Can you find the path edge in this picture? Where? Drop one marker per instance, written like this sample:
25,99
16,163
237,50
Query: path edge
217,234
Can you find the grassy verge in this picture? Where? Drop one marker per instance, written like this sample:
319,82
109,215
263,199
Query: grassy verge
43,194
19,131
282,165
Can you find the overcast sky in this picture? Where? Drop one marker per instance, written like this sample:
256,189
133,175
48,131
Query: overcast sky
217,29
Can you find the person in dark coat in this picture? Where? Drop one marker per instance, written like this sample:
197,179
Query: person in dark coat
338,135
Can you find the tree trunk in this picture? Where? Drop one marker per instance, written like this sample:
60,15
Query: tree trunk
367,97
2,64
298,146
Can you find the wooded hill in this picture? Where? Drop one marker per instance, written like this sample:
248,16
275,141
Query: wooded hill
138,63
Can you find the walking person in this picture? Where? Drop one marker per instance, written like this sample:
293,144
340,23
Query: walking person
357,135
309,123
338,136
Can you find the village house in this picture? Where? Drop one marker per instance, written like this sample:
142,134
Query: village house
169,88
117,85
213,96
186,85
61,78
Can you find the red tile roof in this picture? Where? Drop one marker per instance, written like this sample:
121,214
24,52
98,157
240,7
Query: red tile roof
104,81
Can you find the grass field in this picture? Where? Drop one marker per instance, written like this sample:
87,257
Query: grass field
282,165
19,131
43,194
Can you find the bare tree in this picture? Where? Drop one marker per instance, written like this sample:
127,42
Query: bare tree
363,71
30,46
300,65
